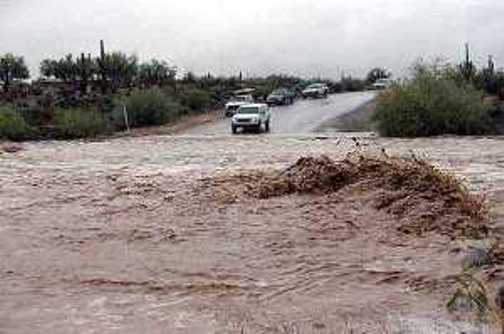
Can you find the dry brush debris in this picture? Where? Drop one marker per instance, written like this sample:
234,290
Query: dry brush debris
423,197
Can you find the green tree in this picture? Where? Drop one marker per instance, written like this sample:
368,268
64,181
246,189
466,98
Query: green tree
156,72
377,73
119,69
64,69
190,77
47,68
12,68
87,69
70,70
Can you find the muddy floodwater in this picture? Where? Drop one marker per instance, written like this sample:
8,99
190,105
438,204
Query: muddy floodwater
125,236
138,234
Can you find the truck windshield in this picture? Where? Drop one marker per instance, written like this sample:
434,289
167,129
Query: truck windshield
248,110
241,98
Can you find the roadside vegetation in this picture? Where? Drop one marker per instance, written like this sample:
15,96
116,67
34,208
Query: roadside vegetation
443,99
148,107
12,125
431,104
78,123
85,96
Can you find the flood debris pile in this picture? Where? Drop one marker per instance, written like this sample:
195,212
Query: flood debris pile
423,197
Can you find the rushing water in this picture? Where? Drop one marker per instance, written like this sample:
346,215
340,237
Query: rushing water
122,236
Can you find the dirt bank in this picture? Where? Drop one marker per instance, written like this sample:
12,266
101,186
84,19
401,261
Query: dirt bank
357,120
180,126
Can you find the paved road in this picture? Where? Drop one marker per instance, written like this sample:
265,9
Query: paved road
303,117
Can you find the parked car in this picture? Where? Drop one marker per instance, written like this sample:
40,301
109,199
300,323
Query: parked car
315,90
382,83
281,96
236,102
252,117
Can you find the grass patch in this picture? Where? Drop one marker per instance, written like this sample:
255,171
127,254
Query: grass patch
12,125
78,123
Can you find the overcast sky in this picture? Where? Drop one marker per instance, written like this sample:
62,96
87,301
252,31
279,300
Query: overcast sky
303,37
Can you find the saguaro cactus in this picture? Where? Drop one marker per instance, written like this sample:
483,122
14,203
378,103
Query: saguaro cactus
467,68
101,64
84,75
491,65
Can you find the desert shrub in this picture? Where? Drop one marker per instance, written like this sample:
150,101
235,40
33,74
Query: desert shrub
263,91
78,123
196,99
12,125
353,85
432,104
336,87
34,114
149,107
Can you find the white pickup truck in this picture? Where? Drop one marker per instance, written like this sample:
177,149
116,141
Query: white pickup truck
252,117
315,90
236,102
383,83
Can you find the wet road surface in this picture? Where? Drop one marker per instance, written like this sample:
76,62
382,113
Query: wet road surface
126,236
304,116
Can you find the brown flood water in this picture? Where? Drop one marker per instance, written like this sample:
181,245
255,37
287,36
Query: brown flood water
125,236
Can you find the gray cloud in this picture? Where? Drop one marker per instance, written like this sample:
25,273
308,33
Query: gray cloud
305,37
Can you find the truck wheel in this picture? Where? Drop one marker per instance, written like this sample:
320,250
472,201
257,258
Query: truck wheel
266,126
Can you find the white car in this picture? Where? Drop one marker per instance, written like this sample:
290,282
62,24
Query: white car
315,90
236,102
382,84
252,117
